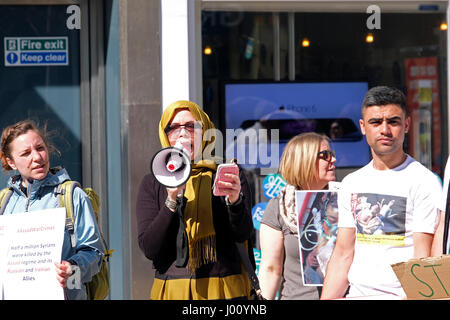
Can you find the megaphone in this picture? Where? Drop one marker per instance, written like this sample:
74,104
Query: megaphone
171,166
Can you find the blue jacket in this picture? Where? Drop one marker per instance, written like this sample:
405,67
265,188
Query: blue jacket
89,249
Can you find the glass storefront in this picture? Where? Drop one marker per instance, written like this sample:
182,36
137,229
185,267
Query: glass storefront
335,55
298,71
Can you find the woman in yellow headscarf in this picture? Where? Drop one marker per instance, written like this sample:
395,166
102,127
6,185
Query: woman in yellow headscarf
191,242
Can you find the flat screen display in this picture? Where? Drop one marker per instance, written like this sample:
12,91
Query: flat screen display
260,119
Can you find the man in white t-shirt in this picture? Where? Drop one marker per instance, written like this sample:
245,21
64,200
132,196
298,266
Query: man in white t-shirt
363,256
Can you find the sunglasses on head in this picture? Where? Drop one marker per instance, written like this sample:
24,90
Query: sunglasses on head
326,155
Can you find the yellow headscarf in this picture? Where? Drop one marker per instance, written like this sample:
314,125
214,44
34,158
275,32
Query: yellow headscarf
198,211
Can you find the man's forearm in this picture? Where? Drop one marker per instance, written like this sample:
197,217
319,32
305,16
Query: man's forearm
336,280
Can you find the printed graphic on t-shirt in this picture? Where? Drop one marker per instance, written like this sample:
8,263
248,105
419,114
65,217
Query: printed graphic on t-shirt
380,219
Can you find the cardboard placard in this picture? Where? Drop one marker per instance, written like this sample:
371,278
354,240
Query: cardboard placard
425,278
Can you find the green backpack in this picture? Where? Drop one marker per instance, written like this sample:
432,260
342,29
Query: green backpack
98,287
5,194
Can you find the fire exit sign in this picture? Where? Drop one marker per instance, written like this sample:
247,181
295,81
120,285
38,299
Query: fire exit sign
36,51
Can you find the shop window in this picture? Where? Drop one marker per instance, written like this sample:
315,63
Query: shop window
408,51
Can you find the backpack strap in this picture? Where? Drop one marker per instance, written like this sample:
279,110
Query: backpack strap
5,194
64,191
65,194
95,200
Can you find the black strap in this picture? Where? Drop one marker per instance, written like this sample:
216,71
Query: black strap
248,266
447,220
182,240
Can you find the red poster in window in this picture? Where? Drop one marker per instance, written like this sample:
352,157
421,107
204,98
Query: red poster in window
424,106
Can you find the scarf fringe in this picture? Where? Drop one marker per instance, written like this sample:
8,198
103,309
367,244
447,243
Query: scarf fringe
287,207
202,251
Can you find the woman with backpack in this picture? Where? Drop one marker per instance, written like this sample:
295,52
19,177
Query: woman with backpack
24,149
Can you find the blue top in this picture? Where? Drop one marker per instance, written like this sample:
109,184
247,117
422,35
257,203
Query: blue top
89,249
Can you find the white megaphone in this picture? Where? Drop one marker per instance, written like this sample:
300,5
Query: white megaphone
171,166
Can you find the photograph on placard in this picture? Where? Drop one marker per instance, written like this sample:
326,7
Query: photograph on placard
317,230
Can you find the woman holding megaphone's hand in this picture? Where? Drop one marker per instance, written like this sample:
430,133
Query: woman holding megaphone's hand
186,231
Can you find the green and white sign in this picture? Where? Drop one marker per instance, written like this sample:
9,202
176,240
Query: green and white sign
36,51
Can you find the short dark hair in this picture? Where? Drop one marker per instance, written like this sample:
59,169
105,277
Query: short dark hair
383,95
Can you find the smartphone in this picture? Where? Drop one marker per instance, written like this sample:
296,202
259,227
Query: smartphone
220,176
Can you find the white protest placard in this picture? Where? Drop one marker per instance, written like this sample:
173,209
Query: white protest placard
3,227
30,244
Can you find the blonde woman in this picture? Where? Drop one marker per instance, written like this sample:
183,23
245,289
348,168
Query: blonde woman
307,163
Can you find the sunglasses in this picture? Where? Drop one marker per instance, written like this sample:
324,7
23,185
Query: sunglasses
326,155
175,128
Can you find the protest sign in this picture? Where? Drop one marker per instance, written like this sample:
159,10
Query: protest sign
317,216
30,244
425,278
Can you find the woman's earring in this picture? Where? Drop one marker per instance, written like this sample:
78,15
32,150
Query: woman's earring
14,177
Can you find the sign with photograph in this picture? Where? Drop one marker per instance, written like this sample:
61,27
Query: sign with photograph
317,214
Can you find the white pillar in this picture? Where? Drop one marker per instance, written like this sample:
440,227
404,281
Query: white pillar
181,51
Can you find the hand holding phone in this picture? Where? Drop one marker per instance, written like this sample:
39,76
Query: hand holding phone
222,170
